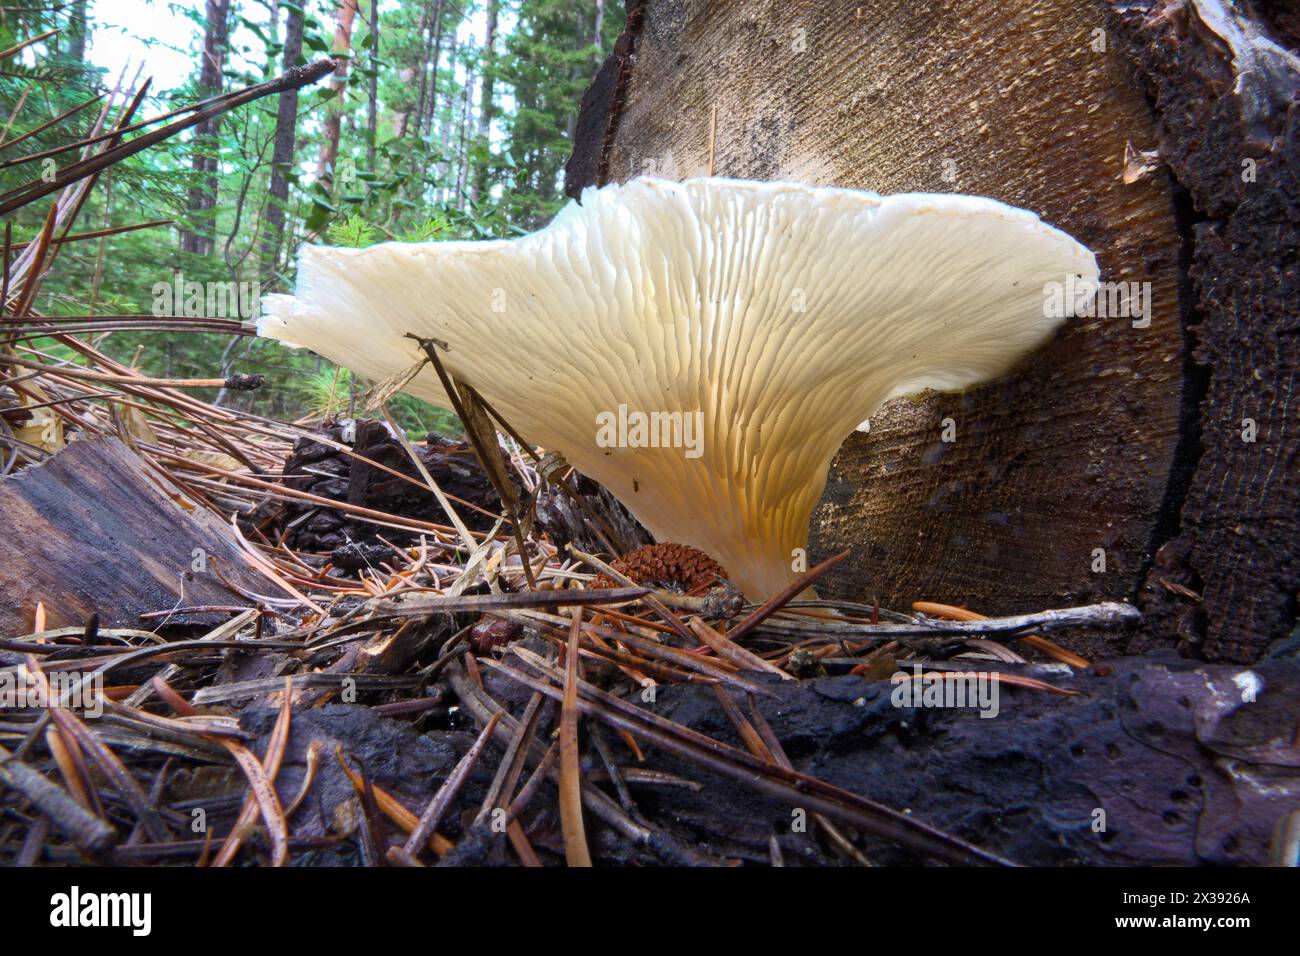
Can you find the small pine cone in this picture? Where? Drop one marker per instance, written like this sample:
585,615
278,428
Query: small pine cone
678,567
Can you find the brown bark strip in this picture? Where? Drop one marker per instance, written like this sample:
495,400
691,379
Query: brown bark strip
602,109
1225,93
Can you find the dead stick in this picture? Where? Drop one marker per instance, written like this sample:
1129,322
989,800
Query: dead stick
728,649
74,371
777,601
89,834
477,441
575,834
669,617
101,233
293,79
796,788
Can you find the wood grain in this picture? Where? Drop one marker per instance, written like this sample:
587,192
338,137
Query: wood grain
99,534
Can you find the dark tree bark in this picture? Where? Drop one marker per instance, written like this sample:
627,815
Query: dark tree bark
1227,101
372,89
286,122
78,30
449,111
1129,126
203,192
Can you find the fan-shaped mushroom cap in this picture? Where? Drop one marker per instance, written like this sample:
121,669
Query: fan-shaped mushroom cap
783,314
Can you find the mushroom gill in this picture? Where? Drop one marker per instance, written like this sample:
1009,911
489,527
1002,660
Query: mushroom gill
769,318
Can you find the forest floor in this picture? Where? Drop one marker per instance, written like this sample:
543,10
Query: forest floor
317,643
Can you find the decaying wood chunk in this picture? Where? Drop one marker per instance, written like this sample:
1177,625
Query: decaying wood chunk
321,468
1159,763
94,530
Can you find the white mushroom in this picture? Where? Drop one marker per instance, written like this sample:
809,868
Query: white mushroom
779,316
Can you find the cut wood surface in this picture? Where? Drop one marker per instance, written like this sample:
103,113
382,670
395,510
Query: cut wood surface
92,530
1066,477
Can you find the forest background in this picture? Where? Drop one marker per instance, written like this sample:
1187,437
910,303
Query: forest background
447,119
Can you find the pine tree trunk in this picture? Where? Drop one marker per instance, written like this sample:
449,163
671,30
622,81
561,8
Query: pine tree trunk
329,149
571,123
78,31
448,118
286,121
485,108
427,115
372,90
426,106
466,119
203,192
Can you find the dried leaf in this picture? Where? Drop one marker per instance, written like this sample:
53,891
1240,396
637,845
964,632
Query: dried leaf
378,394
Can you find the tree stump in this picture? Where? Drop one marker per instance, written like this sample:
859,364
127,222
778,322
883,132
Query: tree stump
1149,458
